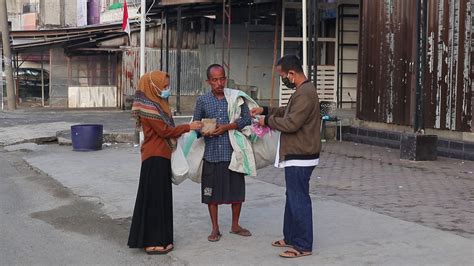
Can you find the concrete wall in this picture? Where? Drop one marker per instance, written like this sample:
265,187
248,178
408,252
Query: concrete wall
14,10
50,12
52,15
92,96
58,79
251,57
81,71
116,15
15,6
70,9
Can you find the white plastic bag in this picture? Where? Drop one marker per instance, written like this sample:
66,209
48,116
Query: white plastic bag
179,165
193,148
265,149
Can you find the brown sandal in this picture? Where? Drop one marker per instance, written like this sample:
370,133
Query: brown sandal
281,244
214,236
161,251
241,232
293,253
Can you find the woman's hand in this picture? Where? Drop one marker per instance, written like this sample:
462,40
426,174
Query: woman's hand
256,111
195,125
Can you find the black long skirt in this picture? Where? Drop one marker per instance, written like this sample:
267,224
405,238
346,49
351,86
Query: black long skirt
152,221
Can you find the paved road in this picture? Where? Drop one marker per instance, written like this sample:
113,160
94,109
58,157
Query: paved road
86,210
437,194
76,233
76,210
112,120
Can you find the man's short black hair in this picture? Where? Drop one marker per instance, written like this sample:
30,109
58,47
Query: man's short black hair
209,68
290,62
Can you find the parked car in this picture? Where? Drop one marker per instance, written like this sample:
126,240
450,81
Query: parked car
29,81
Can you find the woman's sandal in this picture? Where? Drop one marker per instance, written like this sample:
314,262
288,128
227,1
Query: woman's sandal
293,253
281,244
160,251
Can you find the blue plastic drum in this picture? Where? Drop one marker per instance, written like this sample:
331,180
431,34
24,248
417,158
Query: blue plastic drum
87,137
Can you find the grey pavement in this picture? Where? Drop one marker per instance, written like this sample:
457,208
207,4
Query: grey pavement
438,194
369,207
45,125
120,121
76,232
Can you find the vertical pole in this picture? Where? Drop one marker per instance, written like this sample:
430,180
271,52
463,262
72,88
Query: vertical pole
275,50
223,32
161,40
178,63
226,20
282,44
315,36
62,15
1,78
17,79
42,79
339,57
249,23
142,37
7,55
421,22
167,42
305,37
416,123
50,60
228,37
311,41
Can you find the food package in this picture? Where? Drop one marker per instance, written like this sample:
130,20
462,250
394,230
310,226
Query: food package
209,125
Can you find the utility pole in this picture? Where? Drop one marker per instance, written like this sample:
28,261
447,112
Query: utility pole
421,26
420,146
7,55
142,37
178,63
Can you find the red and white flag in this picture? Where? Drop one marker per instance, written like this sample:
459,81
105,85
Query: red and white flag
125,22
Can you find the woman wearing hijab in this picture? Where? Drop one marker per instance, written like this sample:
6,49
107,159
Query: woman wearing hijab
152,221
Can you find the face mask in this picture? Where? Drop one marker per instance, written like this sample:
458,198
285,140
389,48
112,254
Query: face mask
286,81
165,93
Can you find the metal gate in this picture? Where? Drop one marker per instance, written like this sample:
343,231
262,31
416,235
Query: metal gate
191,80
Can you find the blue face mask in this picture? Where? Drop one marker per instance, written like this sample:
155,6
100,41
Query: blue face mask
165,93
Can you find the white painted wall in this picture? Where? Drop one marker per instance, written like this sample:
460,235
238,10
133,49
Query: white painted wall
116,15
94,96
251,66
50,12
